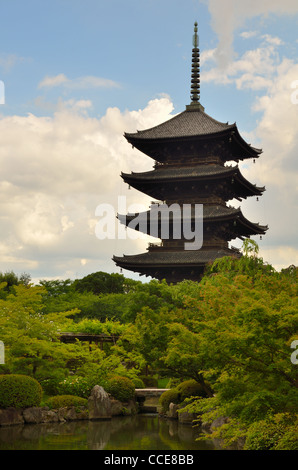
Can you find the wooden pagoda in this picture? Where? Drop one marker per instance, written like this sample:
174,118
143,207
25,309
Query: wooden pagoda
191,152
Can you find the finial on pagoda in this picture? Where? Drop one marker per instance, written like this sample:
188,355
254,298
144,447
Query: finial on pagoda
195,72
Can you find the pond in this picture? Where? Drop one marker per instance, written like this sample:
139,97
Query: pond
140,432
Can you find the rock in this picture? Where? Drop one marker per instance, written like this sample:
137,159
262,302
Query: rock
173,411
11,416
32,415
116,407
218,422
99,404
72,413
49,416
184,417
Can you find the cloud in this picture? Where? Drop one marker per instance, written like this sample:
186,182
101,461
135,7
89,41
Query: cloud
255,69
55,171
8,61
248,34
238,12
77,83
277,168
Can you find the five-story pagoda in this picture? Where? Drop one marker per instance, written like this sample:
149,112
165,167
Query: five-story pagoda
191,152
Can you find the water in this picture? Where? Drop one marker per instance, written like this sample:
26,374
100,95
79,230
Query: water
140,432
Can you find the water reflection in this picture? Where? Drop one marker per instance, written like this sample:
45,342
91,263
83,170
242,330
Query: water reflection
141,432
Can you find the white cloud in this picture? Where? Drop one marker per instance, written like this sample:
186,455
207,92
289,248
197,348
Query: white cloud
277,167
248,34
54,172
77,83
255,69
235,13
8,61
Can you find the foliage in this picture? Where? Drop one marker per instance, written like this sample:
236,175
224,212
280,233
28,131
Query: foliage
19,391
276,432
97,327
138,382
12,279
104,283
73,385
61,401
190,388
121,388
183,391
231,333
169,396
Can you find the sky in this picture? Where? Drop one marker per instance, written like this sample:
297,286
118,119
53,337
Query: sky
75,75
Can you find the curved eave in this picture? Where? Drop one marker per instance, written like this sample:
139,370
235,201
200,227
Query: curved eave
233,215
172,259
242,150
139,181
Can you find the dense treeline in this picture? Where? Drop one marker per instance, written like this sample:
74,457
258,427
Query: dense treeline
233,333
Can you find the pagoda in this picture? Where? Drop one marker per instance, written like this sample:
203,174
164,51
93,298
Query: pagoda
190,151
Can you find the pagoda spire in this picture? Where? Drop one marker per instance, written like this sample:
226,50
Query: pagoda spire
195,71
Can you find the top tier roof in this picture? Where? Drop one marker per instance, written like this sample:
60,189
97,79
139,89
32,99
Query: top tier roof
190,126
189,123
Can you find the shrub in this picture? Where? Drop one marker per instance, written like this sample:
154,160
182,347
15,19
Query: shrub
61,401
149,380
19,391
190,388
138,383
76,385
121,388
170,396
277,432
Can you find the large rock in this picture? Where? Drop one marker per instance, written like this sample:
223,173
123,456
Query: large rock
11,416
99,404
33,415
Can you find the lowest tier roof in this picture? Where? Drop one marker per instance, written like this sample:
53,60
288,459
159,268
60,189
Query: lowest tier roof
174,258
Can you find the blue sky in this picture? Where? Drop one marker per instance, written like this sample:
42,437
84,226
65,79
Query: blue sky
77,75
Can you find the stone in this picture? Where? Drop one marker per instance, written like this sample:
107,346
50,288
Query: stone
99,404
49,416
32,415
11,416
184,417
172,413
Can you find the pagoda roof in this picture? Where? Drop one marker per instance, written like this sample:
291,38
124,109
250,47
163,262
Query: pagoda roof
202,172
211,212
191,123
185,124
174,258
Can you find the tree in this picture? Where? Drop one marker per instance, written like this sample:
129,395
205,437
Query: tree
104,283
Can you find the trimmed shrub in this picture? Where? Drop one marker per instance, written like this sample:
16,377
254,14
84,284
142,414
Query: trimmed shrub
138,383
19,391
61,401
121,388
190,388
170,396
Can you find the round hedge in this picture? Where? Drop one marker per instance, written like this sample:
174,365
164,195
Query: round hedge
190,388
19,391
169,396
121,388
61,401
